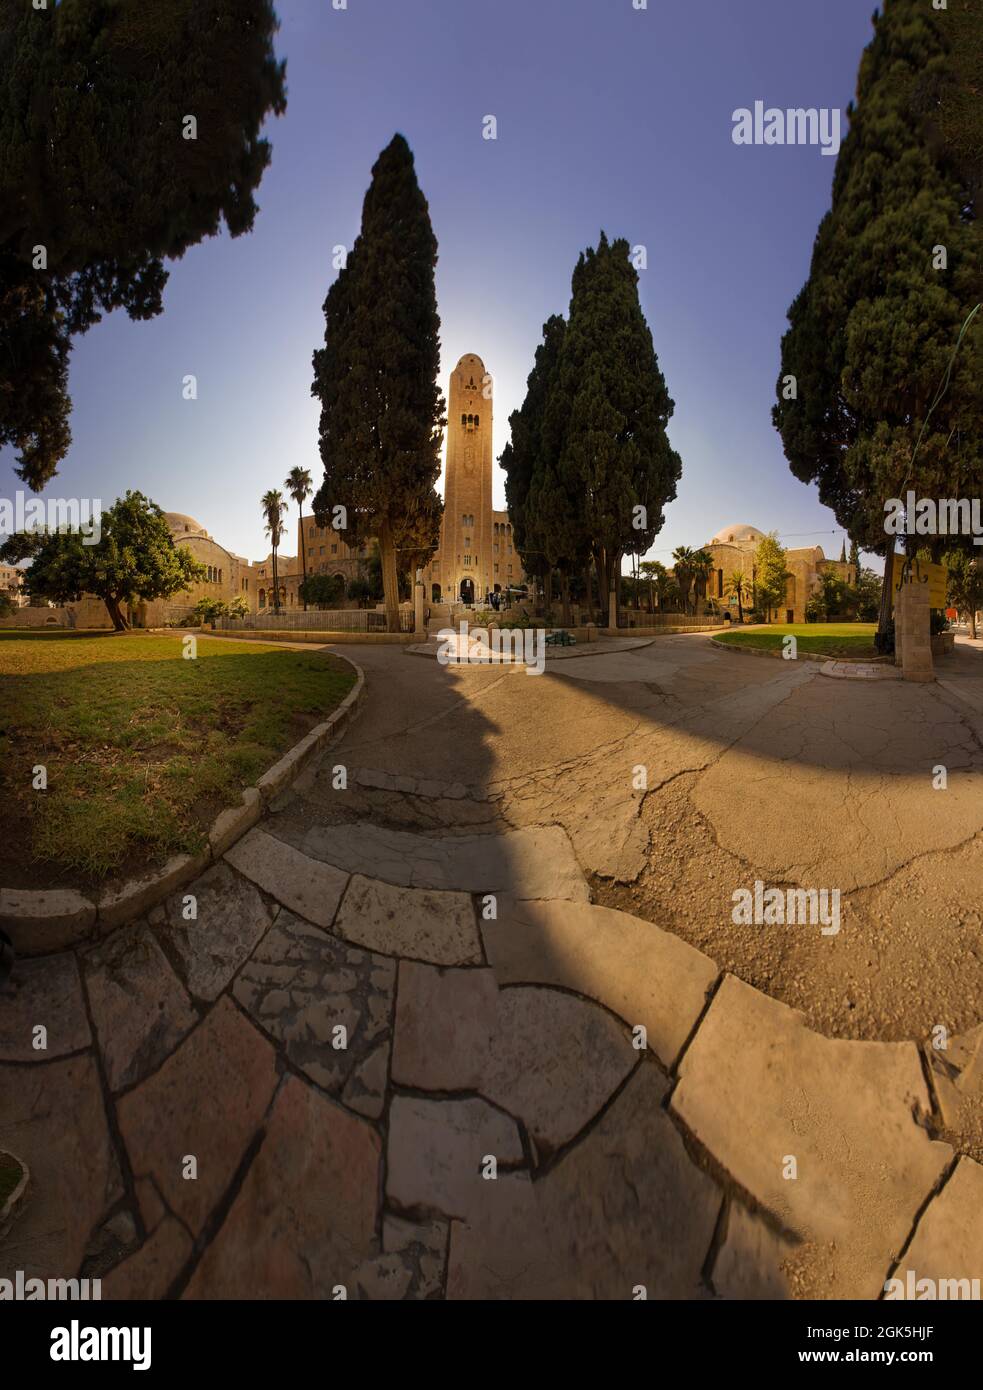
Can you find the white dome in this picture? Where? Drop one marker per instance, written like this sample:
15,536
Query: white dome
734,535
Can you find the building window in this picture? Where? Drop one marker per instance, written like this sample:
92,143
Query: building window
334,550
467,561
262,598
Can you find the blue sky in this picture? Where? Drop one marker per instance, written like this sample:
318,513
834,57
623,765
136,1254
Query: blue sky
607,117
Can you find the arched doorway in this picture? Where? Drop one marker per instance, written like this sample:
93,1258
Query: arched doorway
467,591
434,593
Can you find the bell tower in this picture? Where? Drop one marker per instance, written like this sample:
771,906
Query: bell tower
466,530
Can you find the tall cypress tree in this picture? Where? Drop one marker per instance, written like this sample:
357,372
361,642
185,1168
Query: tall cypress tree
522,458
881,403
96,168
382,413
607,415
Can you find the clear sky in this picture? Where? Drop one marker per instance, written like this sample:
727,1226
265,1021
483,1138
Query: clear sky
608,117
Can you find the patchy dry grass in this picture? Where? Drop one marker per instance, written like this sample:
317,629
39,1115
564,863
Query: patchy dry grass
142,747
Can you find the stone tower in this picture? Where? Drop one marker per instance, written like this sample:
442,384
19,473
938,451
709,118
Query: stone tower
465,559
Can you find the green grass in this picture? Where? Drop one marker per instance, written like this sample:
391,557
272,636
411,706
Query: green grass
854,640
142,747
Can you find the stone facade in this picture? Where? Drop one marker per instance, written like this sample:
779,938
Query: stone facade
734,549
12,584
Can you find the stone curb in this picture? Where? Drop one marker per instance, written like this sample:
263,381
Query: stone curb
42,922
775,652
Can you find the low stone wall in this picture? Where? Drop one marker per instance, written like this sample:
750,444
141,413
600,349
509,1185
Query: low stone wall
260,634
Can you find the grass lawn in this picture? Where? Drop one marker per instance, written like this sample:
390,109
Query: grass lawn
855,640
142,747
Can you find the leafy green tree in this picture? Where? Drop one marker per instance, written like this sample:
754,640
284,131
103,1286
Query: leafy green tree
607,413
888,377
770,575
99,182
7,605
298,484
965,585
322,590
136,558
206,610
867,592
382,414
238,607
360,590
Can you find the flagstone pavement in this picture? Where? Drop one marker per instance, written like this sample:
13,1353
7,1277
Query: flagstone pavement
407,1057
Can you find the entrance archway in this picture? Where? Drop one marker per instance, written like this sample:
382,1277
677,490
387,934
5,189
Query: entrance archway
434,593
467,591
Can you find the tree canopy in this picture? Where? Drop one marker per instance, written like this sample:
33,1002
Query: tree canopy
881,400
100,182
382,413
136,558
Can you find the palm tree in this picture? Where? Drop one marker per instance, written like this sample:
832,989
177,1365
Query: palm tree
298,484
685,571
274,510
738,584
702,570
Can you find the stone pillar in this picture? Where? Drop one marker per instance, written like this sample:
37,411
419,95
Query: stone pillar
418,596
912,623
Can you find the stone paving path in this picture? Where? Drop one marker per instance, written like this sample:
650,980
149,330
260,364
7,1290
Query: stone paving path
359,1060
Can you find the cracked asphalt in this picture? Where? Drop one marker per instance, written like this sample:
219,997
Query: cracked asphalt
682,773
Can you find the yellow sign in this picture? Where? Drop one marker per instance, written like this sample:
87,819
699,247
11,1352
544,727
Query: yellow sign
936,576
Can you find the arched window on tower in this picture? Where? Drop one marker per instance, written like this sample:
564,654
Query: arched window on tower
477,422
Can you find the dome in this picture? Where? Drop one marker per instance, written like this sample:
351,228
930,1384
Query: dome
180,525
735,535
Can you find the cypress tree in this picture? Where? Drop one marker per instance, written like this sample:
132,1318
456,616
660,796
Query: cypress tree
382,413
607,415
96,169
523,458
883,400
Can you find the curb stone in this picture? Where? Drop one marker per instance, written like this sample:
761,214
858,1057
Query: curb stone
42,922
